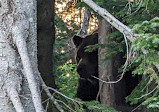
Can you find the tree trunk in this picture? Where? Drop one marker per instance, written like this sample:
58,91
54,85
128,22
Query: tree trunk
46,37
18,59
105,68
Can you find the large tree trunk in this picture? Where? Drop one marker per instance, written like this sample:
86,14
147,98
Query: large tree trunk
46,37
18,60
110,94
105,68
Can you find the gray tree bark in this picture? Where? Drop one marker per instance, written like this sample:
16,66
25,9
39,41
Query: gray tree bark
18,57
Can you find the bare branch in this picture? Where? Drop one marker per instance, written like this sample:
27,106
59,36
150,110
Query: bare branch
147,93
65,96
111,19
50,95
73,100
66,105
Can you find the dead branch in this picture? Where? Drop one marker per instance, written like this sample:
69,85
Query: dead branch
49,94
83,31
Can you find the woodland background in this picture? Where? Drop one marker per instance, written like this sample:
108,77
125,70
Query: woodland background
139,15
37,55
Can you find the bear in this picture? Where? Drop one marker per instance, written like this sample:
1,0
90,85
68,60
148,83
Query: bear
87,66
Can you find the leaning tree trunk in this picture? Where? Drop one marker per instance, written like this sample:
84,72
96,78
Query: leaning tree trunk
106,91
18,57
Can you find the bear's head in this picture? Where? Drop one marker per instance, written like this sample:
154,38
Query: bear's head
87,62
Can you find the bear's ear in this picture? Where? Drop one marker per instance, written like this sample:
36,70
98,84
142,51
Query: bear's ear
77,40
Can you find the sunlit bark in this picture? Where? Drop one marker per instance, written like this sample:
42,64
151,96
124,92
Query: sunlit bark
18,73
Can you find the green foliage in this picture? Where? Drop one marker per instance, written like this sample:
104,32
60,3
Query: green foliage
92,48
137,15
68,80
63,39
94,105
137,92
115,45
147,43
68,86
134,15
147,47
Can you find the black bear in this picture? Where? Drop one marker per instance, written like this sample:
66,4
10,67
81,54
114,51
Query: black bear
87,66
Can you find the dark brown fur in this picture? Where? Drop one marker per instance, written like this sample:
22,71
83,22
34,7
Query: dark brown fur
87,66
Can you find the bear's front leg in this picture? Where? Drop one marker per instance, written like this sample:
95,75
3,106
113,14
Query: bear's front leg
87,89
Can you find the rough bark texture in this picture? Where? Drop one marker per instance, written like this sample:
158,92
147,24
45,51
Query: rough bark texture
111,94
46,37
12,74
105,68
